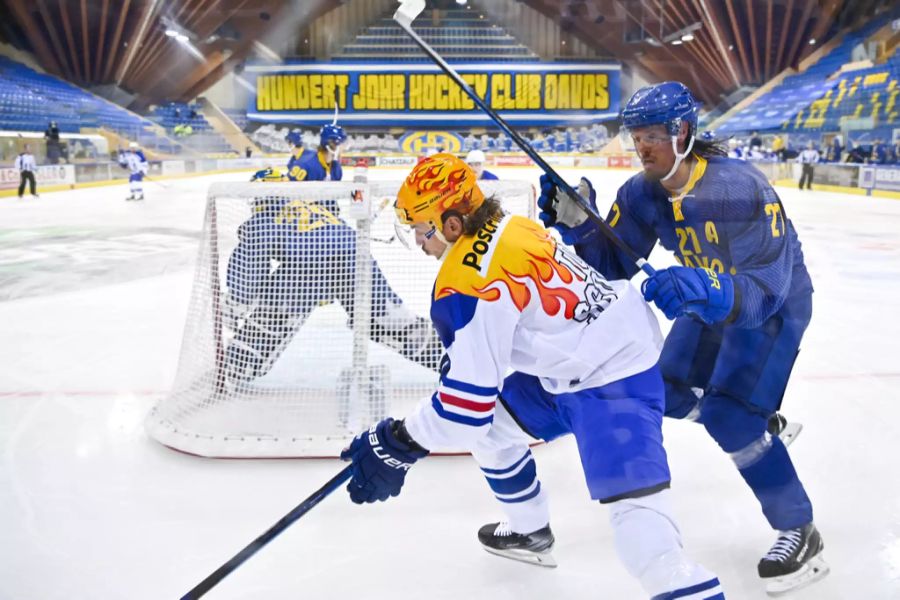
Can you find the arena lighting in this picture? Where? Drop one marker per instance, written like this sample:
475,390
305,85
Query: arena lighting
688,37
461,2
171,32
676,42
812,41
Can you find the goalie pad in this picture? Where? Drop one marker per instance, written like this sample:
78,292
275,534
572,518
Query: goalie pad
408,334
260,336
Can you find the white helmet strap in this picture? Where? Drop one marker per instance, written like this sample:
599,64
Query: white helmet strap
679,157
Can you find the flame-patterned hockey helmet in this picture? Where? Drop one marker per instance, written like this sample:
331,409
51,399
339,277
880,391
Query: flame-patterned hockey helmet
437,184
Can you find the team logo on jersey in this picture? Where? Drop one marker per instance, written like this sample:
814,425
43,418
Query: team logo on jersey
519,269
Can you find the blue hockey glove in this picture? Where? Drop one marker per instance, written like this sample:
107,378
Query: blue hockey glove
381,457
562,213
680,290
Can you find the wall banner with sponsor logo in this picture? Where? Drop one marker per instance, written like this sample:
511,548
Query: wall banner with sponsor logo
45,176
419,94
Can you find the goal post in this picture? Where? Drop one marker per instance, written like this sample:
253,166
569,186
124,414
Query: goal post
308,320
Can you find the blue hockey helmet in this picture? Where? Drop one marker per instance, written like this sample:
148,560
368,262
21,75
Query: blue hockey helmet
669,103
294,138
332,133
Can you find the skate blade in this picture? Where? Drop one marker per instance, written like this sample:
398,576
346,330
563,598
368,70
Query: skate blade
790,433
539,559
811,572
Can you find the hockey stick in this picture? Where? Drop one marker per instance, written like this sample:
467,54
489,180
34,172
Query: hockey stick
256,545
405,15
156,181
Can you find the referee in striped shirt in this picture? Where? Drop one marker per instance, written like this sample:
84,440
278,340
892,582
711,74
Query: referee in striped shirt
26,166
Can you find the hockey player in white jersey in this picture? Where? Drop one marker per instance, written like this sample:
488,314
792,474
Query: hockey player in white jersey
538,345
133,159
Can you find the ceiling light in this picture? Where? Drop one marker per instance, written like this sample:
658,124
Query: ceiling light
812,41
676,42
688,37
731,46
171,32
181,38
461,2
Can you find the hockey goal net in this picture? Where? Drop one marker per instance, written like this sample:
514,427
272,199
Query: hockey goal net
308,320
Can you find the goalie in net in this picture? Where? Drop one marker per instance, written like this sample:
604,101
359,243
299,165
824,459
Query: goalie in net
293,256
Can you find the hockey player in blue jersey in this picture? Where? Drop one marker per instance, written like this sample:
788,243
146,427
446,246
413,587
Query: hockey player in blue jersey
741,299
295,255
294,138
322,164
133,159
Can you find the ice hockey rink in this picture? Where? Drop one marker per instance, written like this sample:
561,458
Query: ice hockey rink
93,297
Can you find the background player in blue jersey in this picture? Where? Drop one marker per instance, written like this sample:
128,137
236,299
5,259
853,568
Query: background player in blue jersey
294,138
292,256
741,299
323,163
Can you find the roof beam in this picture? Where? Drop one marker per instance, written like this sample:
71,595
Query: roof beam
782,38
37,39
114,46
70,39
798,32
768,49
54,39
157,44
754,53
697,47
101,39
716,30
85,44
137,41
738,38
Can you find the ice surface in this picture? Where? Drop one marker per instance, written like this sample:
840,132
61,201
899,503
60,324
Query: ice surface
93,293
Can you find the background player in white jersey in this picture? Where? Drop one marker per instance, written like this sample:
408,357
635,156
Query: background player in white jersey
582,354
133,159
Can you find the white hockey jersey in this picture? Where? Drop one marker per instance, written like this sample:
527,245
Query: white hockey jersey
134,161
510,298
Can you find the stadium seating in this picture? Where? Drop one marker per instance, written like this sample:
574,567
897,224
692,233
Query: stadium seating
462,35
29,100
822,97
203,138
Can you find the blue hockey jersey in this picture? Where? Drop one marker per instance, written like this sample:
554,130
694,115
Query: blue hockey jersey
312,166
728,219
297,255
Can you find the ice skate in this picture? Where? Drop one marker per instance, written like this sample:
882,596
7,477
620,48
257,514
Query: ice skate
786,430
794,561
533,548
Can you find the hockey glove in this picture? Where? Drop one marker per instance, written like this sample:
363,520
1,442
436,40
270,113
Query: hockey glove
677,291
563,213
381,457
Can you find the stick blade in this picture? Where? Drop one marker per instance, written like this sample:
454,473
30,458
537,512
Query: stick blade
408,11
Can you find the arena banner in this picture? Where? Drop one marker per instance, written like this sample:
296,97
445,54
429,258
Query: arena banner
886,178
420,95
45,175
